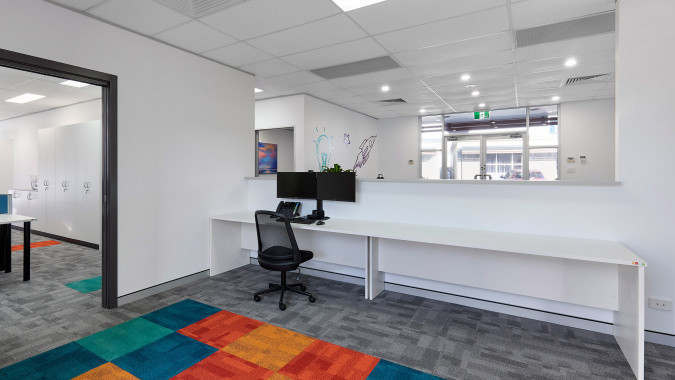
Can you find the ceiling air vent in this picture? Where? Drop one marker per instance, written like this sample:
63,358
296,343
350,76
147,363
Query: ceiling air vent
357,68
390,101
588,79
199,8
565,30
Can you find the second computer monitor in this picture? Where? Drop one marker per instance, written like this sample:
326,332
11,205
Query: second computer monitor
336,186
296,185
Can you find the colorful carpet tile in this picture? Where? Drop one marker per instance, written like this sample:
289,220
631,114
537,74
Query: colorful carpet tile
193,341
86,286
38,244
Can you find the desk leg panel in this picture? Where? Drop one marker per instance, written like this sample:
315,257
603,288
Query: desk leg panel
225,246
375,278
629,320
6,249
26,251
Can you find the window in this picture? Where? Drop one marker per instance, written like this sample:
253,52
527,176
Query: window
509,144
431,142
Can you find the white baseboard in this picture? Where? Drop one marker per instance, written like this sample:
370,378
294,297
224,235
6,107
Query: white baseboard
135,296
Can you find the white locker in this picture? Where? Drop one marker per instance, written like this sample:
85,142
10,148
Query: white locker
88,203
46,179
69,178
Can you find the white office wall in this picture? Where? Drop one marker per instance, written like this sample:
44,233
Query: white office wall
24,132
587,128
285,146
399,142
644,88
6,164
184,133
288,111
335,122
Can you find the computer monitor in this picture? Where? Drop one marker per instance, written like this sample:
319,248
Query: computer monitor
296,185
336,186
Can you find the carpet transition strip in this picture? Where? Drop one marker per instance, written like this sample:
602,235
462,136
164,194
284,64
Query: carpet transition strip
38,244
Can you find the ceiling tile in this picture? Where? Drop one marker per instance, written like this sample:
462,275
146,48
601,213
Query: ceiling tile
322,33
313,88
79,4
255,18
451,30
456,50
287,80
195,36
40,87
270,68
144,16
529,13
352,51
238,54
398,14
467,64
9,79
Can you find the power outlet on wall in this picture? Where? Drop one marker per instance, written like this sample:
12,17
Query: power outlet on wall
660,304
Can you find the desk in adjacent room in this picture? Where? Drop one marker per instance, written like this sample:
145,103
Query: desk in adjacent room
579,271
6,221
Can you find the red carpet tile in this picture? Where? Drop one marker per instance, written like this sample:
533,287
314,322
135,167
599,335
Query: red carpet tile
323,360
39,244
221,365
221,329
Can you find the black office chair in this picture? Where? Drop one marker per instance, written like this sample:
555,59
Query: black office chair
278,251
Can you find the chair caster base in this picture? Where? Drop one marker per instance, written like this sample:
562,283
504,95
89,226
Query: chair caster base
312,299
256,298
282,306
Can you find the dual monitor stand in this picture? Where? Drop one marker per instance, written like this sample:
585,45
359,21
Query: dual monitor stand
318,214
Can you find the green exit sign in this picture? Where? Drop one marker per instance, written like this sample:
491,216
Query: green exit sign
481,115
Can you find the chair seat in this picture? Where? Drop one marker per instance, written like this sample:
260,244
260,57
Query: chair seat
281,258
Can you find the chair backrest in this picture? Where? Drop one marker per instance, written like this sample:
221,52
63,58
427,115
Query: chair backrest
272,233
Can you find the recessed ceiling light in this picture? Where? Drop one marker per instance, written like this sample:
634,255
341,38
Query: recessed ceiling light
73,83
465,77
475,93
571,62
481,105
555,98
385,88
25,98
257,90
349,5
422,110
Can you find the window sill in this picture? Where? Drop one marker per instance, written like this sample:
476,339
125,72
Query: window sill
270,177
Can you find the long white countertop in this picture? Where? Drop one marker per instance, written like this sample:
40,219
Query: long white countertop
602,251
13,218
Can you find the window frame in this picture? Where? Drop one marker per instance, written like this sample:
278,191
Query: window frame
525,135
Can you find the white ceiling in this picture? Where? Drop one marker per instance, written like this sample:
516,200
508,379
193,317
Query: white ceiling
16,82
435,42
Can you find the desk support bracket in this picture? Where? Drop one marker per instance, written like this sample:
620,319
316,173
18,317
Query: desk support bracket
374,278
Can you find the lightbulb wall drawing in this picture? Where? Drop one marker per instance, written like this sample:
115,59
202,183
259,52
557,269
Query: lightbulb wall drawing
364,152
324,148
346,140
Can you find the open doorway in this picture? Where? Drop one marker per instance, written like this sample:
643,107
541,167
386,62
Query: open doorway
65,172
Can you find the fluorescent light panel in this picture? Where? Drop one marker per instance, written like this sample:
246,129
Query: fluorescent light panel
257,90
73,83
25,98
350,5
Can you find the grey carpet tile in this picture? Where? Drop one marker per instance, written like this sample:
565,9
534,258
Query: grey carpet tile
447,340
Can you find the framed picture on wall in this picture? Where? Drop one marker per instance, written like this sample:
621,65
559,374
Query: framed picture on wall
267,158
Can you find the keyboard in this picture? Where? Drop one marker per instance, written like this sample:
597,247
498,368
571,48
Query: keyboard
298,220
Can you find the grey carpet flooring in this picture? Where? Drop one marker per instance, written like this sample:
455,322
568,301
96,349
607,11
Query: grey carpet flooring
447,340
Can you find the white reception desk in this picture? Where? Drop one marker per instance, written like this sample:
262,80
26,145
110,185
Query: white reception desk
596,273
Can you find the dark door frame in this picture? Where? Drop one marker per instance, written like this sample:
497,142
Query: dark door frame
108,83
